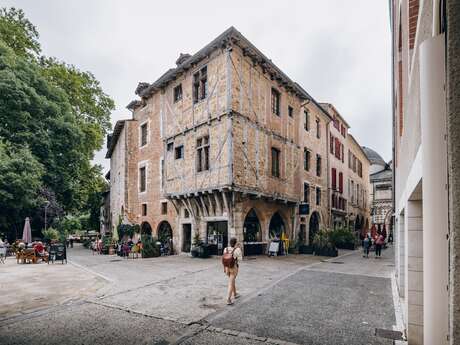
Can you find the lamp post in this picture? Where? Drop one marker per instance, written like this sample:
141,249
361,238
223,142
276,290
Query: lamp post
47,204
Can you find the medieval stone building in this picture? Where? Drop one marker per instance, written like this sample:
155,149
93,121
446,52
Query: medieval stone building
224,144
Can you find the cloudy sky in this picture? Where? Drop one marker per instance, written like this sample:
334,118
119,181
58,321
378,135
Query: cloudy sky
339,51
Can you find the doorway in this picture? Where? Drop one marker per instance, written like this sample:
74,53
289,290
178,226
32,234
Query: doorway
217,237
313,227
186,238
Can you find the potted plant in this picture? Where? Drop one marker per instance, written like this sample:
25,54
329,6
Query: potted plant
323,244
343,238
150,248
200,249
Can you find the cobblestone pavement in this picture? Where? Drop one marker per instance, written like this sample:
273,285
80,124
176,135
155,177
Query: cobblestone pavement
178,300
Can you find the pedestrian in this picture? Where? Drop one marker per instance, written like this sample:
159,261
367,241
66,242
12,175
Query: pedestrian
367,242
231,258
378,245
71,242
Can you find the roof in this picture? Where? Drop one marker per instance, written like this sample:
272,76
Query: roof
229,36
330,105
113,138
359,146
373,156
385,174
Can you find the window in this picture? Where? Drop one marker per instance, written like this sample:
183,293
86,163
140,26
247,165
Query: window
276,96
275,162
307,120
142,179
349,159
306,192
343,130
290,111
340,182
144,210
144,134
202,150
178,93
360,169
200,84
318,196
306,159
343,154
169,147
179,152
334,178
331,144
337,148
318,129
318,165
164,208
336,123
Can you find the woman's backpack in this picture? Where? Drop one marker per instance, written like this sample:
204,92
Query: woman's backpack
228,260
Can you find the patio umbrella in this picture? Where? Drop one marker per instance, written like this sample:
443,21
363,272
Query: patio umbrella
115,236
27,232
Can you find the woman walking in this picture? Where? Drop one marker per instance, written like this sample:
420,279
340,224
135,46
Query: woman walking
230,259
378,245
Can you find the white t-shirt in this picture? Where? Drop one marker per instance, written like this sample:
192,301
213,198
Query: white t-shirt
237,253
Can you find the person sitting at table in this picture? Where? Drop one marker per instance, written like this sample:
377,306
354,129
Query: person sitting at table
39,249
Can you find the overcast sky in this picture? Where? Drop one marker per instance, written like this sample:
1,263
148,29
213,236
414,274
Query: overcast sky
339,51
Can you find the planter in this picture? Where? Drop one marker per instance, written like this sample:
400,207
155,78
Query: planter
326,251
194,252
306,249
350,246
111,251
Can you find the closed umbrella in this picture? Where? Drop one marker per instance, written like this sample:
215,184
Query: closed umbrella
27,232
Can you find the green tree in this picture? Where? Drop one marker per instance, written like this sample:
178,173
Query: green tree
59,113
20,182
18,32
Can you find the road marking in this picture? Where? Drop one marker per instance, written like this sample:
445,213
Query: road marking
91,271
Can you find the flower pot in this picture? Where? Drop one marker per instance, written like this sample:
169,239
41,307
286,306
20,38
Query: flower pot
306,249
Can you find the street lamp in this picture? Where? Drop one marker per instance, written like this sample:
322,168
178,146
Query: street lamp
47,204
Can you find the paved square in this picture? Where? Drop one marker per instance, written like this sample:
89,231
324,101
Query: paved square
299,299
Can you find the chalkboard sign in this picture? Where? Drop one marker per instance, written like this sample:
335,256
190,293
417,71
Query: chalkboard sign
57,251
274,247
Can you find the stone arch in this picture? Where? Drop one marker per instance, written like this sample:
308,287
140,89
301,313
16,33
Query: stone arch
252,228
146,229
358,222
313,226
277,225
164,232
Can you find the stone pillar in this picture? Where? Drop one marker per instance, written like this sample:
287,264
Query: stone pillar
414,288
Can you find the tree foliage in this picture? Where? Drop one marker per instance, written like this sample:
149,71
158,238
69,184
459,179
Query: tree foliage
56,114
20,181
18,32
